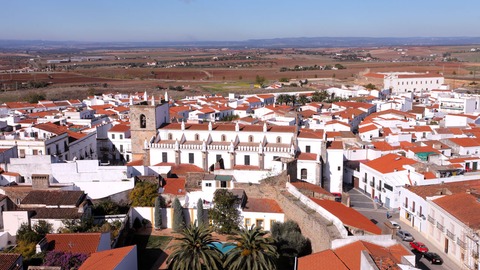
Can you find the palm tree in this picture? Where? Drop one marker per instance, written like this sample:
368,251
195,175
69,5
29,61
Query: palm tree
251,250
302,99
194,250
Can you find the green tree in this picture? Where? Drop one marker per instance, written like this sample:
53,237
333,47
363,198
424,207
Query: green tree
320,96
178,216
201,213
302,99
27,238
77,225
159,204
282,98
225,214
292,99
370,86
34,97
194,249
260,80
252,249
143,194
289,241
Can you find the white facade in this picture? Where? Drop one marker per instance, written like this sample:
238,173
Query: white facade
412,82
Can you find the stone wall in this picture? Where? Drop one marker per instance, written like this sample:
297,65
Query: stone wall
319,230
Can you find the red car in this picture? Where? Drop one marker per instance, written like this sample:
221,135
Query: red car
419,246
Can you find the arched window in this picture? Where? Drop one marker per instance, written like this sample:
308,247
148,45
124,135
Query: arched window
279,139
250,138
170,136
197,137
224,138
303,174
143,121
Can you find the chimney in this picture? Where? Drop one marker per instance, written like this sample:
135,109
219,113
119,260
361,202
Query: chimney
40,181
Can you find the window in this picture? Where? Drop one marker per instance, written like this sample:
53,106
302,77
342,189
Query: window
113,136
250,138
197,137
272,221
164,157
247,160
307,148
339,168
121,148
218,157
279,139
121,136
48,151
170,136
303,174
22,153
224,138
143,121
208,184
35,151
259,223
223,184
248,222
191,158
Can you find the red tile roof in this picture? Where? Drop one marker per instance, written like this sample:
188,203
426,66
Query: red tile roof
350,254
120,128
262,205
367,128
52,128
389,163
138,162
307,156
349,216
175,186
465,142
181,169
463,206
85,243
107,259
310,187
324,260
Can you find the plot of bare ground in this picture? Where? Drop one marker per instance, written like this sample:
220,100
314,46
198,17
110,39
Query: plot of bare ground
207,71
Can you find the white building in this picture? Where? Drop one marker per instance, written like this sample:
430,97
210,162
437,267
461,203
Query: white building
447,215
400,82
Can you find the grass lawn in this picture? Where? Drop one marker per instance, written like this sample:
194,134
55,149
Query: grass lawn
150,248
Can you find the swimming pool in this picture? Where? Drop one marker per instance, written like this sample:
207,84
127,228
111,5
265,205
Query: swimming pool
220,246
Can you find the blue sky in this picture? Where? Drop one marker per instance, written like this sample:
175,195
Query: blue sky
225,20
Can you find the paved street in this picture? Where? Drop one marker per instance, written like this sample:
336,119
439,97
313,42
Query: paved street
377,214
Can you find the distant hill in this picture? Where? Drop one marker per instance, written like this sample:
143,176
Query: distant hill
298,42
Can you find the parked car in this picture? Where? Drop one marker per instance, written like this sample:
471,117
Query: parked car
433,257
419,246
395,225
405,236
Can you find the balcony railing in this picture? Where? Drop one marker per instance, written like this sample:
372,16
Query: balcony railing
431,219
364,179
379,187
450,235
405,205
461,243
440,226
372,184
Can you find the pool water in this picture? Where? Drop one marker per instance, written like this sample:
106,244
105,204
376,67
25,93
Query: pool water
223,249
